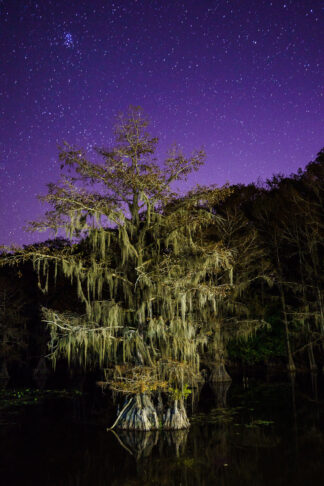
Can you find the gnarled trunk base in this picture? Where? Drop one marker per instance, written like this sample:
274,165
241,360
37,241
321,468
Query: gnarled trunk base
219,374
175,417
139,415
220,390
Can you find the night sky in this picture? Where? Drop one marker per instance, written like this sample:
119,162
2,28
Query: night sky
242,78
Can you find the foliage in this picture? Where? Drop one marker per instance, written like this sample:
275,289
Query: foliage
149,283
11,399
13,319
181,394
149,279
264,345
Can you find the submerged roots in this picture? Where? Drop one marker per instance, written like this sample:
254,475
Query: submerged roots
176,417
139,415
219,374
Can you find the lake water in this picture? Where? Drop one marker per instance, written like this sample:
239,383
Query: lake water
269,434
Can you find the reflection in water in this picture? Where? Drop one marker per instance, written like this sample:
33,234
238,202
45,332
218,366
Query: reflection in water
176,440
314,385
292,376
257,446
138,443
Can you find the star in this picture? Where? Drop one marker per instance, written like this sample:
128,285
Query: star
68,40
223,74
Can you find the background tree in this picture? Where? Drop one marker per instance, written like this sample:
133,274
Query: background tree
288,215
243,311
13,322
301,230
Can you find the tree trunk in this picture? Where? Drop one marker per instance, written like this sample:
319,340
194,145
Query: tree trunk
4,375
139,415
40,373
312,362
219,374
220,390
291,365
176,417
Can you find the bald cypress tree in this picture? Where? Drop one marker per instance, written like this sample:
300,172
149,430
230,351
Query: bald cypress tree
148,280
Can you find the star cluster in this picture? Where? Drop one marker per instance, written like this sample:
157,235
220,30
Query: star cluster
243,79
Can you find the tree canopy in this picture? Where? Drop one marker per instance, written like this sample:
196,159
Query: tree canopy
149,285
149,280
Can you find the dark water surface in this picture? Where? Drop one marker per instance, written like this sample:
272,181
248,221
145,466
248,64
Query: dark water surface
269,434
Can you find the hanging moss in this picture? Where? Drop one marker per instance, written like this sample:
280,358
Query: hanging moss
150,281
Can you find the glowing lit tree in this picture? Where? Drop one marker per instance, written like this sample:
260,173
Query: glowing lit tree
149,280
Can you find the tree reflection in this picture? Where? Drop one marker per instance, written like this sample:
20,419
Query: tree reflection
243,449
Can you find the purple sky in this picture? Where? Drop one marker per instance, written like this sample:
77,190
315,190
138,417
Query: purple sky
242,78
